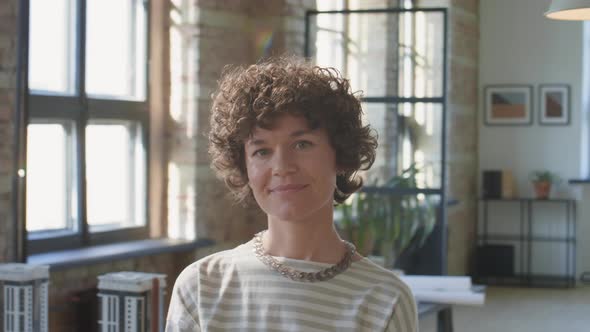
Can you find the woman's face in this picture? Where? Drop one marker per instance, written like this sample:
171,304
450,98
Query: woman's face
291,169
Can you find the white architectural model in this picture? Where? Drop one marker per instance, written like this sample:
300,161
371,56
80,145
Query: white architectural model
24,297
131,302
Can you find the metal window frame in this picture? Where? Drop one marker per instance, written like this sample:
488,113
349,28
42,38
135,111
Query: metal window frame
434,253
78,108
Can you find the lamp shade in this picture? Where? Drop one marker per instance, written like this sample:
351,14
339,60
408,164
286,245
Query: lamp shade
572,10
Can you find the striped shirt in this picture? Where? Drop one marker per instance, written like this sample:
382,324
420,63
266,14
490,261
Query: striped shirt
233,290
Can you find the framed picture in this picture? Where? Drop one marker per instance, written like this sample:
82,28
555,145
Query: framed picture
554,104
508,105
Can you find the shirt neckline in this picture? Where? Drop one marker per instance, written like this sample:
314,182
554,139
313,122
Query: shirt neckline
303,261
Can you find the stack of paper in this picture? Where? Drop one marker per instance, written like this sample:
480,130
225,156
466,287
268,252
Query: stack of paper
445,289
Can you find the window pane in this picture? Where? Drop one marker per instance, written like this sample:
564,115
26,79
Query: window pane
50,189
409,135
383,54
115,173
116,48
52,37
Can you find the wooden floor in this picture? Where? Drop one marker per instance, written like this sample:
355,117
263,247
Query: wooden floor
523,310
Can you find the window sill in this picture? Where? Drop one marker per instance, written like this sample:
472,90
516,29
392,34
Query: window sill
104,253
579,181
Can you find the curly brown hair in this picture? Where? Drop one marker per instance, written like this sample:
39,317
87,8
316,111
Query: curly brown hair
256,95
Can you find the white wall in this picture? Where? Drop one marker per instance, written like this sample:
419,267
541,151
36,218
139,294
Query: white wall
518,45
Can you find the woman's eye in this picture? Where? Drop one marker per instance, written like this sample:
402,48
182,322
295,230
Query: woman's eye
303,145
260,153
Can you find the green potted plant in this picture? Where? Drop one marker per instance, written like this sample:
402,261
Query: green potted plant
357,219
542,182
384,223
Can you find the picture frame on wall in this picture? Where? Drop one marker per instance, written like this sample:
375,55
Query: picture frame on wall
508,105
554,104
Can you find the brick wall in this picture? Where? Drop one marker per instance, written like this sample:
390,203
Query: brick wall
8,56
462,127
462,132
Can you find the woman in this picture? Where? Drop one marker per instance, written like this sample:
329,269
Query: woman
289,135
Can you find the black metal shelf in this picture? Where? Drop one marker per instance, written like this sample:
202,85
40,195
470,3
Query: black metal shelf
510,237
525,237
528,199
528,280
579,181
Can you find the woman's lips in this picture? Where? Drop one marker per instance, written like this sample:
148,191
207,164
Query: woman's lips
288,188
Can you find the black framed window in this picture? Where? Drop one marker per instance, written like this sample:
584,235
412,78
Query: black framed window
397,58
87,124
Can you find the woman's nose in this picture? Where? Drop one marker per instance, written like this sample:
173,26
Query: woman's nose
284,163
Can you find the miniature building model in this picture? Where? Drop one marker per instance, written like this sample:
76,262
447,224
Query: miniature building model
131,302
24,296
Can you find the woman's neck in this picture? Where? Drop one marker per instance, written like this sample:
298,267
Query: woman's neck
314,239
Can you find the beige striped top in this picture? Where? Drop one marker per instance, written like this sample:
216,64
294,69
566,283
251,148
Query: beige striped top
233,290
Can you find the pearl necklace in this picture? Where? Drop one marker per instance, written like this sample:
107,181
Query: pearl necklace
287,272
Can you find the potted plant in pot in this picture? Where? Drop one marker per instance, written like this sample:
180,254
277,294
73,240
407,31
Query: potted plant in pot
542,182
383,223
355,220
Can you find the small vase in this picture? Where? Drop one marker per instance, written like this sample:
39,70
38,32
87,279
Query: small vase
542,189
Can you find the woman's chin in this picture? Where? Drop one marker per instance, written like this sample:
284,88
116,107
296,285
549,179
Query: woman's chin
289,217
299,210
290,213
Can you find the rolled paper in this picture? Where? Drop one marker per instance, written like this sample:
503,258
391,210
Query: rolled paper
450,297
437,282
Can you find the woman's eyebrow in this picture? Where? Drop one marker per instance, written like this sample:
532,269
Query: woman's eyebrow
302,132
257,141
297,133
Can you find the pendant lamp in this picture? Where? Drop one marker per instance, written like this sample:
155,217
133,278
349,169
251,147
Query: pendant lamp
571,10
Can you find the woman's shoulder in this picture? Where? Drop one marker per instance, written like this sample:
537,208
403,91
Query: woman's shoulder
214,264
381,277
373,268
